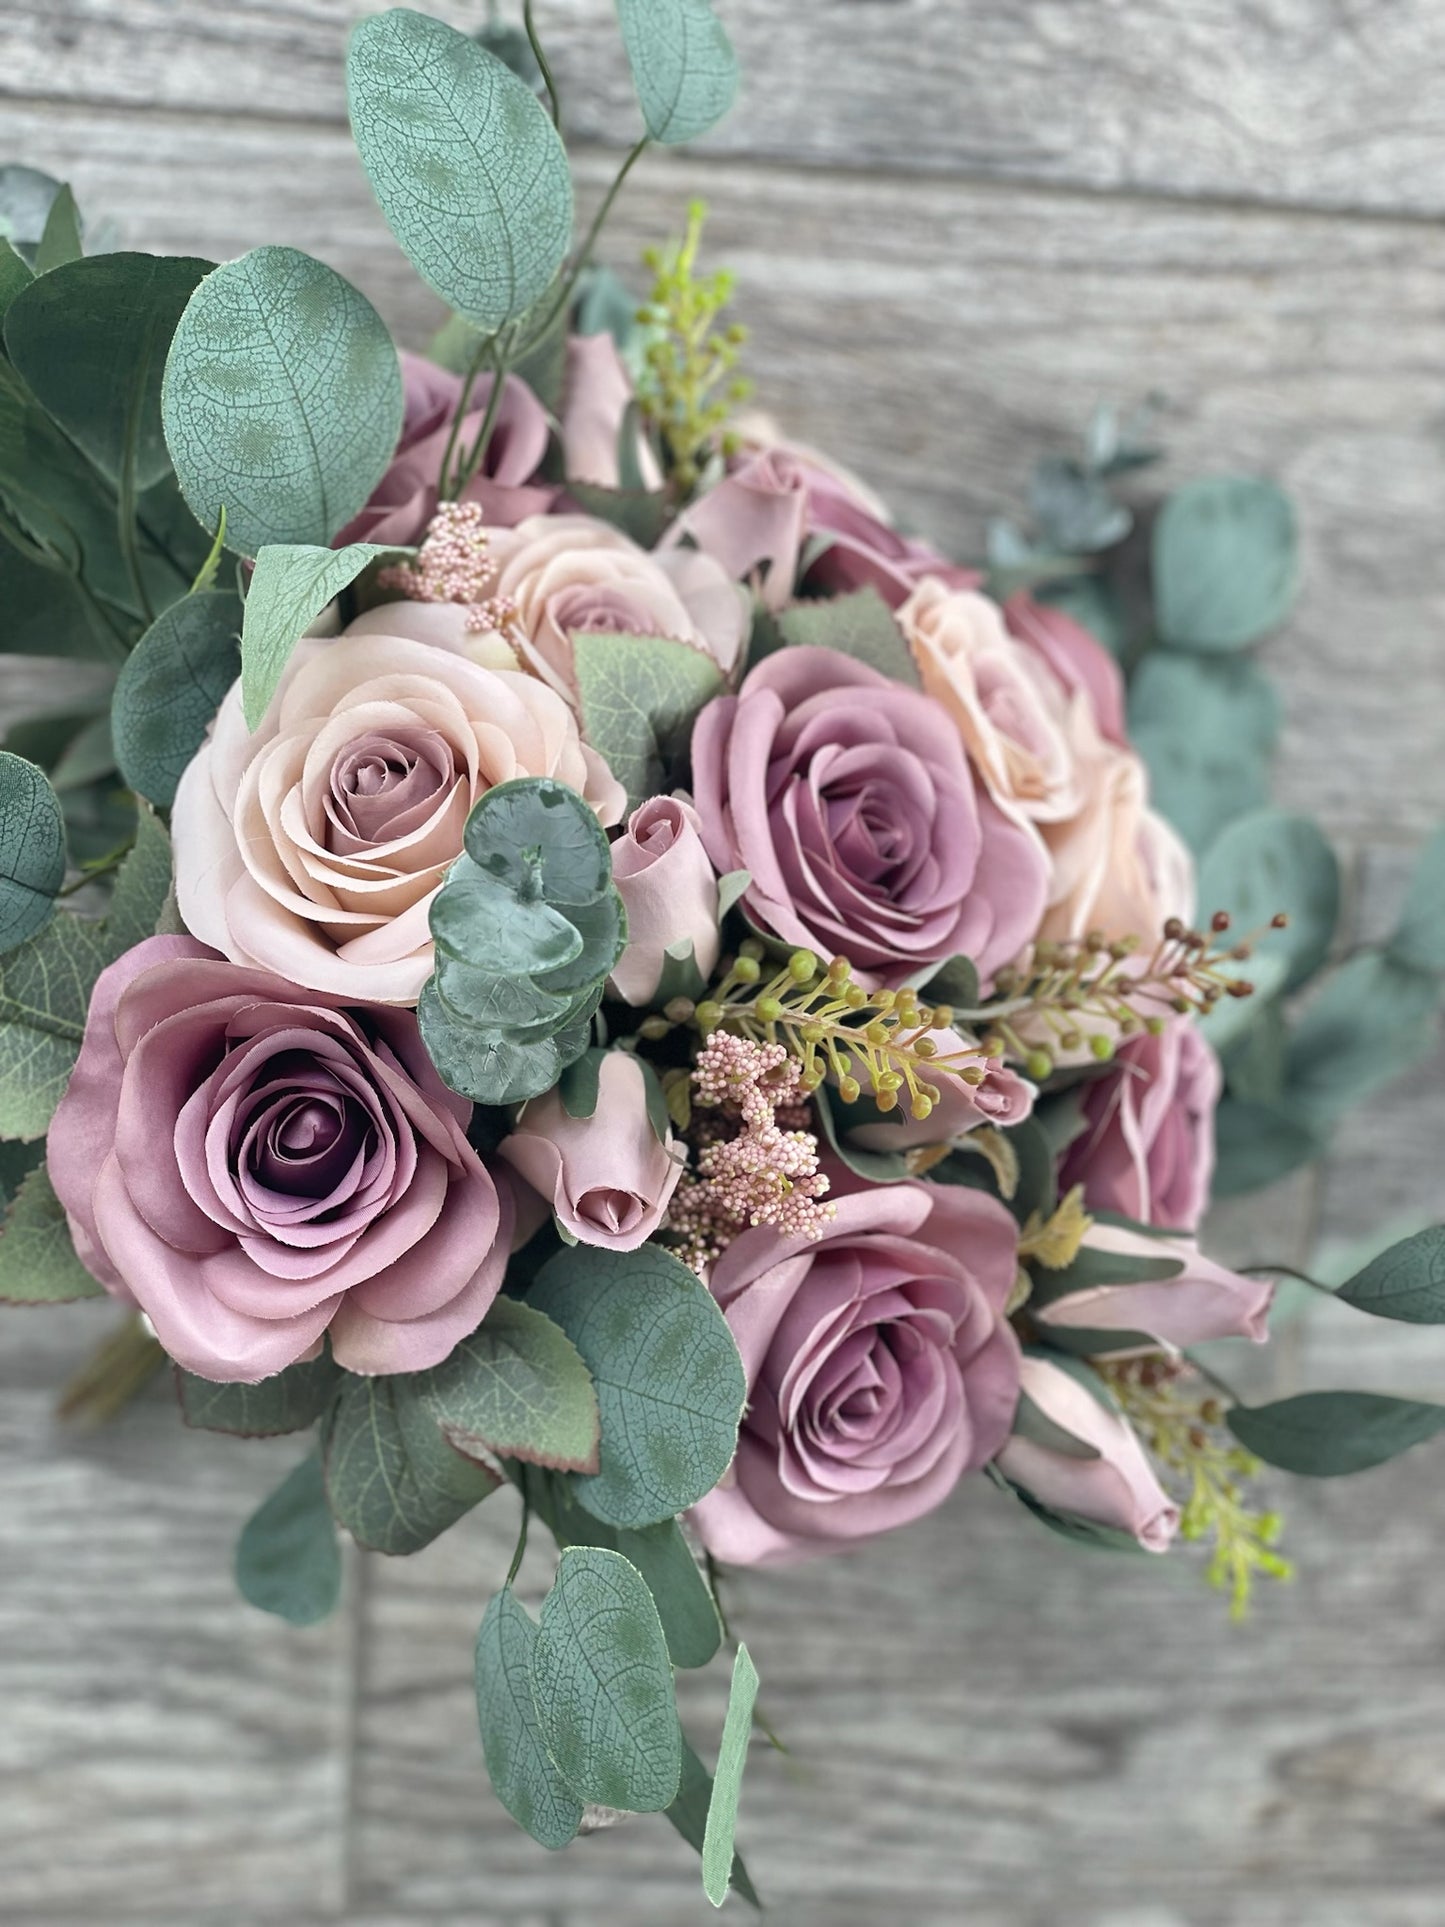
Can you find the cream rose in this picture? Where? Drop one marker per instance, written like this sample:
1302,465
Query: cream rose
313,847
566,573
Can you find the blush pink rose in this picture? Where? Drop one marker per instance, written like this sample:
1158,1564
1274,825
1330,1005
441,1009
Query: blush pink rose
1076,658
669,891
1147,1147
850,801
507,485
1001,1098
1116,1488
314,846
1199,1300
565,573
880,1369
609,1177
1118,867
258,1166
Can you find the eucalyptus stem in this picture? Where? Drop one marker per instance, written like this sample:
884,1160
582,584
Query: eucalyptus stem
584,254
444,486
554,106
125,514
476,455
520,1552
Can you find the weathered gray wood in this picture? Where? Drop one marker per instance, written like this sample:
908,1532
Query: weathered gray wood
940,335
1315,102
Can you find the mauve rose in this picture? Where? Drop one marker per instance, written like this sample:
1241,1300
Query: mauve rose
1201,1300
850,801
1077,658
314,846
1118,1488
669,891
608,1176
405,499
1001,1098
880,1369
1147,1147
566,573
256,1165
596,395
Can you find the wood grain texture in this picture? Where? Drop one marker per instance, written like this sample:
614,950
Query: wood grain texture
1330,103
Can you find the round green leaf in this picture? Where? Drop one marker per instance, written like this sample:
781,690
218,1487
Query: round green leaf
670,1383
1419,939
480,922
1269,862
518,1388
281,400
90,338
683,65
392,1479
1225,562
287,1558
540,838
1407,1282
523,1776
469,170
32,850
602,1683
1372,1019
1258,1144
170,689
1328,1435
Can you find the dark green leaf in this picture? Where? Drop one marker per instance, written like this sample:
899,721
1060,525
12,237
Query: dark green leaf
38,1265
669,1381
281,400
859,626
836,1118
287,1558
15,277
1372,1019
639,695
602,1684
1032,1422
683,66
722,1811
91,341
641,513
32,850
60,240
469,170
26,198
391,1478
291,1401
1406,1282
1225,563
1328,1435
954,983
290,587
580,1084
1270,862
689,1811
1256,1145
1067,1525
523,1776
1093,1267
1419,939
170,689
518,1388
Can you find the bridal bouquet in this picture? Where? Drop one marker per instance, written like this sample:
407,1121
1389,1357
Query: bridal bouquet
598,964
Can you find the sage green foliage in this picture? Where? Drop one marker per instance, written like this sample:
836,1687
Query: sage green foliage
15,277
170,688
287,1559
683,66
289,1401
689,1811
640,513
90,340
1419,939
1206,727
1258,1143
527,925
391,1478
1329,1435
45,985
639,696
523,1775
1263,863
466,164
1372,1019
670,1384
1225,563
32,850
518,1388
26,198
38,1265
727,1786
858,625
291,584
1093,1267
1407,1282
60,239
602,1683
281,400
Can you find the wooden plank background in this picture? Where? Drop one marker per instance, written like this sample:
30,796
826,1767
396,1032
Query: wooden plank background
957,224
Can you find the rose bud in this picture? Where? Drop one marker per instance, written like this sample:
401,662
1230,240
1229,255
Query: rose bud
669,891
1198,1300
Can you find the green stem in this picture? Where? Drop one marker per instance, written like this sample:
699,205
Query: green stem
125,513
500,347
1289,1271
584,255
445,489
521,1549
541,60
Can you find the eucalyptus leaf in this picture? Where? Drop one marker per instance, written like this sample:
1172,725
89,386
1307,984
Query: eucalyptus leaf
523,1776
643,514
60,239
466,164
683,66
287,1559
603,1687
1075,512
15,277
291,585
689,1811
26,198
1258,1144
1419,939
955,984
722,1811
91,341
1329,1435
836,1117
1225,563
1407,1282
1206,727
859,625
289,1401
670,1384
38,1265
392,1479
1372,1019
1266,863
639,696
32,850
517,1388
580,1084
170,688
282,400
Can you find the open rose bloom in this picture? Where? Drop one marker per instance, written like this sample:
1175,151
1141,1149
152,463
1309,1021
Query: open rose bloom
657,986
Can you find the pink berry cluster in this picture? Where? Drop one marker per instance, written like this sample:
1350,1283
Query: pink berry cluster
454,564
